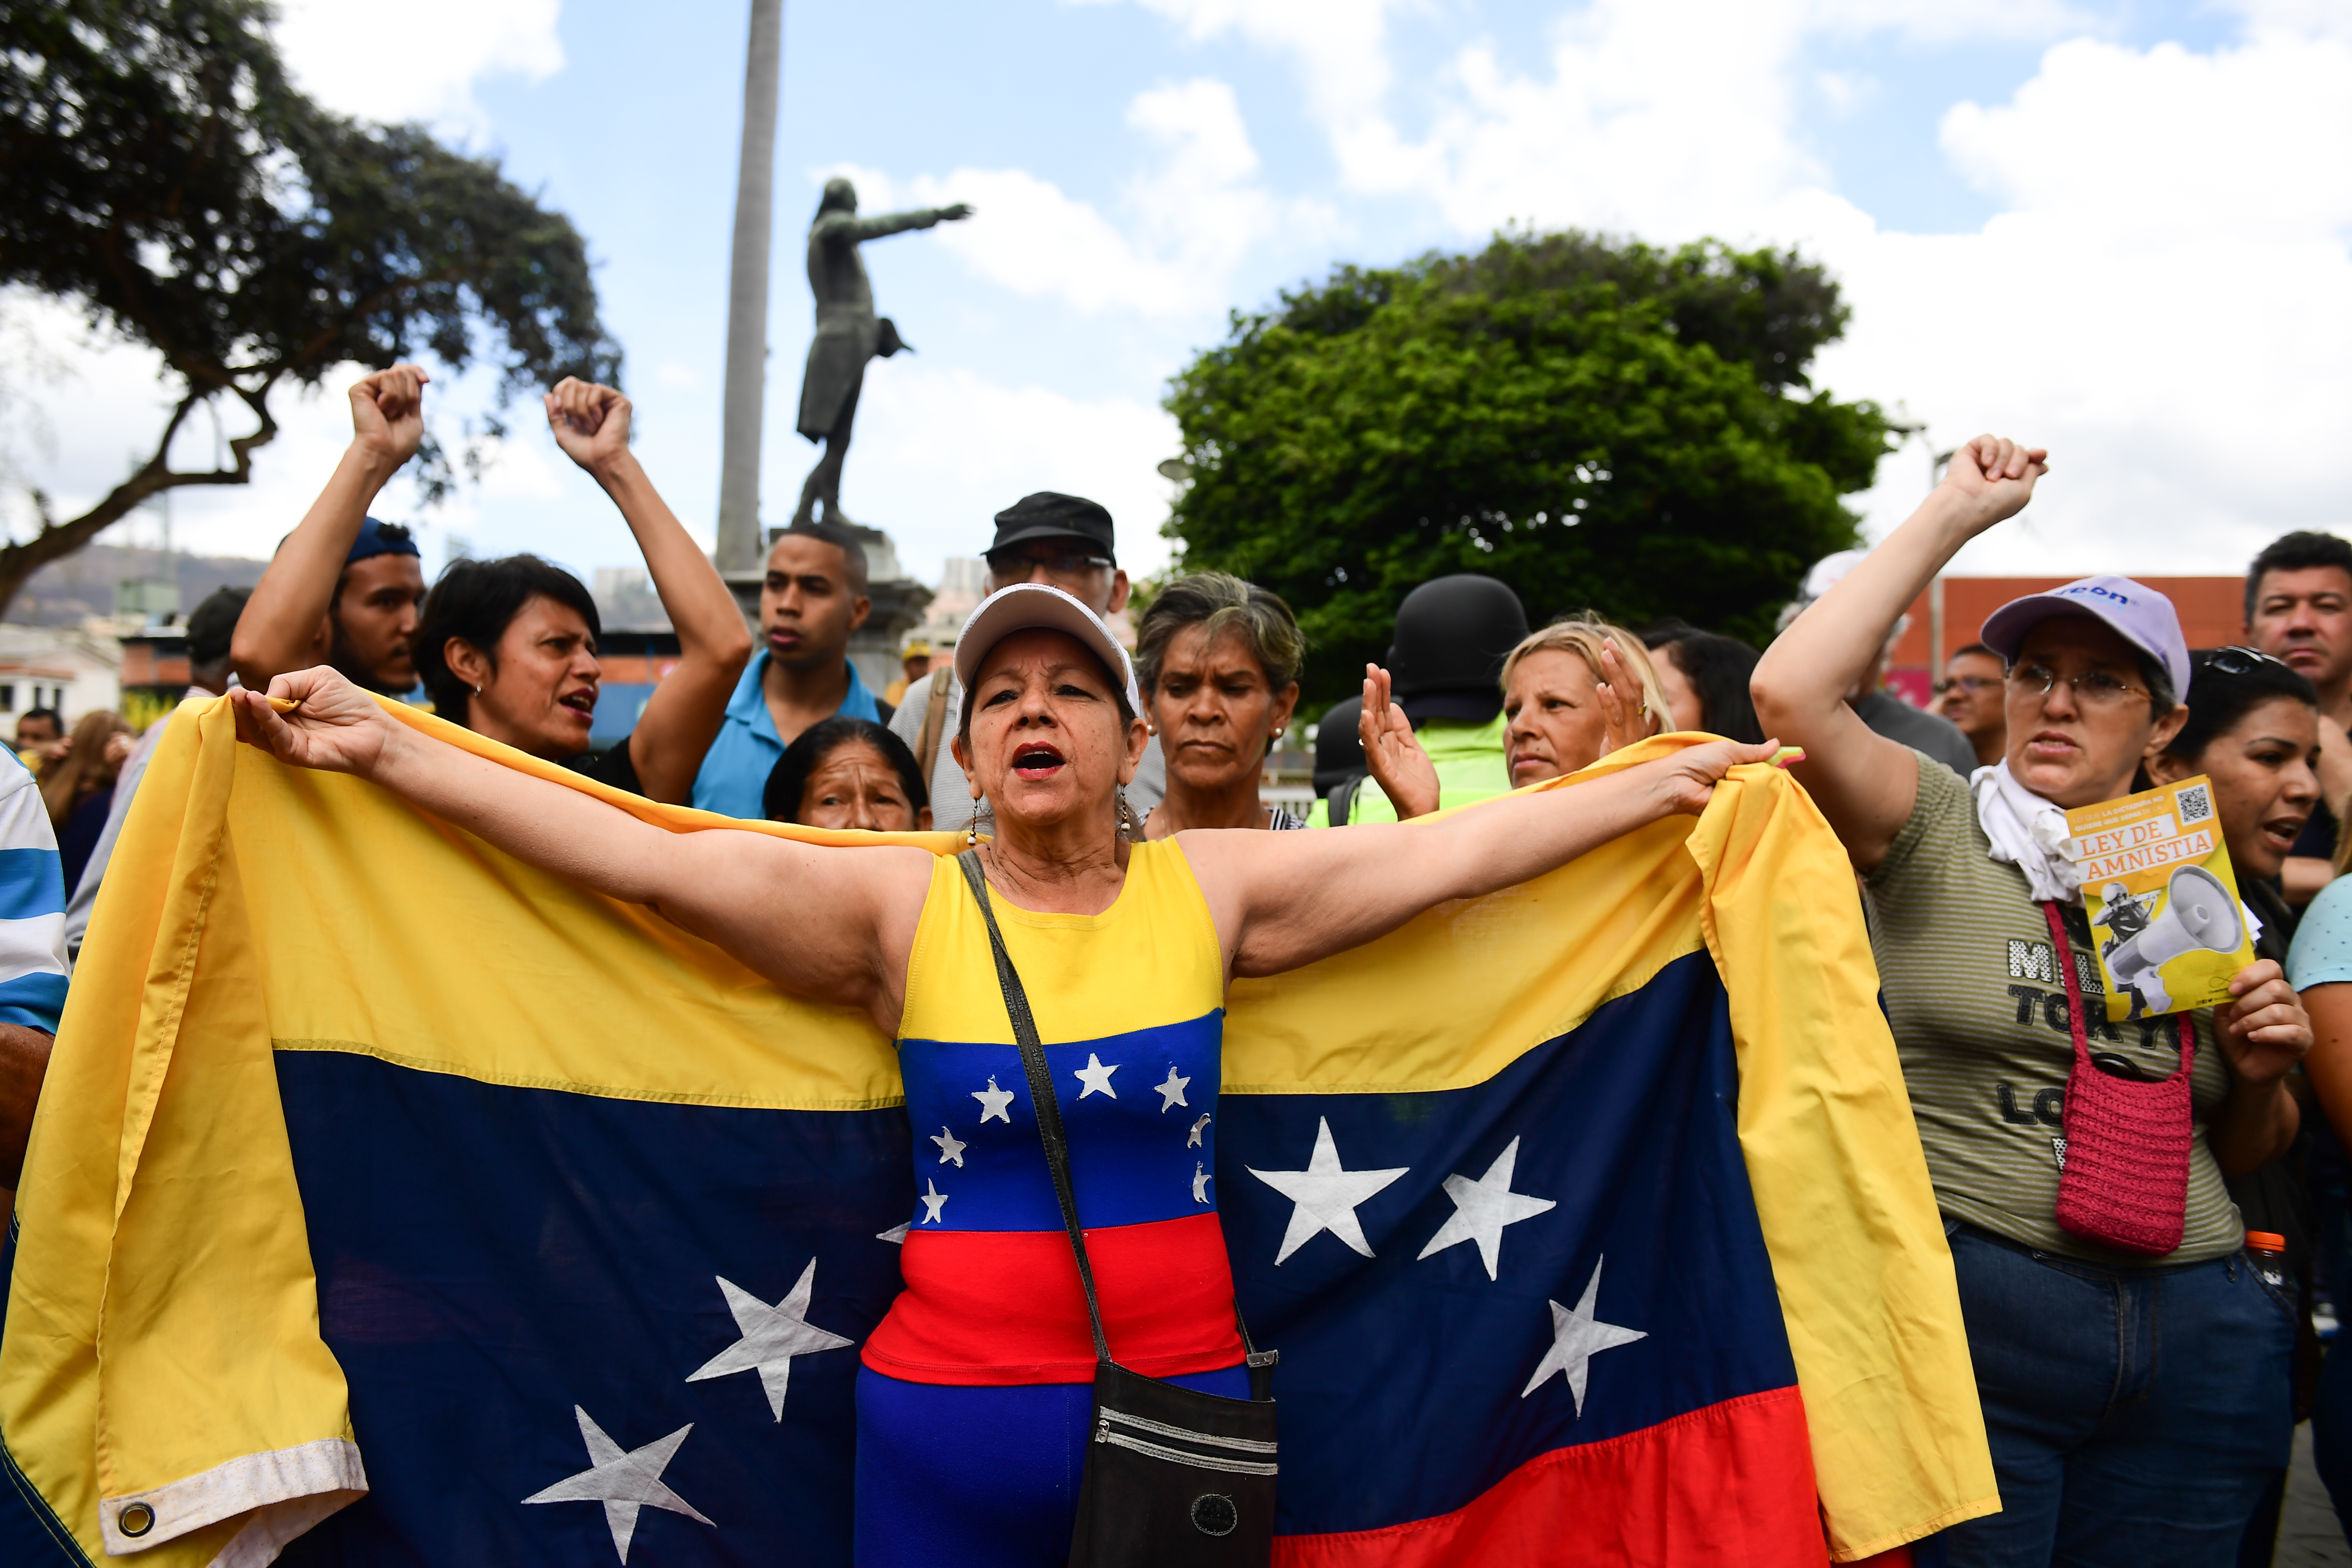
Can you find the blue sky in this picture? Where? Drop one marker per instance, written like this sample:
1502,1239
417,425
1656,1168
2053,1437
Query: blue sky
2119,230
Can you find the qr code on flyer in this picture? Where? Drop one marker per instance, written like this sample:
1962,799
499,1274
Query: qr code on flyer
2195,802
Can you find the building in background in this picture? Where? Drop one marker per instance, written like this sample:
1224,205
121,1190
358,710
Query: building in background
65,667
963,583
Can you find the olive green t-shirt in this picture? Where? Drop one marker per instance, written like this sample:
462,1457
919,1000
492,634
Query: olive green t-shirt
1978,1012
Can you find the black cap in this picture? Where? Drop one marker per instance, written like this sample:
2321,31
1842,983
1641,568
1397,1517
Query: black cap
1339,743
1049,515
1452,635
213,623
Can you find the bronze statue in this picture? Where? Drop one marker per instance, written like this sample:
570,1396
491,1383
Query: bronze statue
848,333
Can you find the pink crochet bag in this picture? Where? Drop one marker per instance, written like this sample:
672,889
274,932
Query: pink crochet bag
2124,1181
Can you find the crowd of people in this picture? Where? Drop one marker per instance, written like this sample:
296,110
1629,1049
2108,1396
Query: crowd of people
2137,1404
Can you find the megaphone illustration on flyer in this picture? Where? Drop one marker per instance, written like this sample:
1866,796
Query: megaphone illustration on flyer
2199,913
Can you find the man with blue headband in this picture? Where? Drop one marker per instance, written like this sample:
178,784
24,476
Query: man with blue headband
345,588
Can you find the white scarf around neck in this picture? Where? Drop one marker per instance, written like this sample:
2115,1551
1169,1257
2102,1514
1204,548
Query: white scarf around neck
2027,832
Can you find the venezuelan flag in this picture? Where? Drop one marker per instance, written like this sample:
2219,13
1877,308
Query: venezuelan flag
391,1201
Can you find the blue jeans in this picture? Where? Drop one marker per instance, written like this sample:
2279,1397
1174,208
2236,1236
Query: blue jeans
2136,1415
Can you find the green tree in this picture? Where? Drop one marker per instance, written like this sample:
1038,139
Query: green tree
162,174
1598,424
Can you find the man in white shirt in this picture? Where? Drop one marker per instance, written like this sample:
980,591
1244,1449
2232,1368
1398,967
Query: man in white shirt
1064,541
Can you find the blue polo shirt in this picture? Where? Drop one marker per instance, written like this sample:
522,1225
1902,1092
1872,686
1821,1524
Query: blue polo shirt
734,777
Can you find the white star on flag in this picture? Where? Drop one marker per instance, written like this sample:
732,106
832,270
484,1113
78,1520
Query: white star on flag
1198,1128
933,1201
896,1236
1096,1077
992,1101
1172,1093
623,1482
1200,1180
1576,1337
1326,1195
951,1147
772,1337
1483,1207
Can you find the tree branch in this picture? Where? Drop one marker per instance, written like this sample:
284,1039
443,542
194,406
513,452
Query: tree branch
58,540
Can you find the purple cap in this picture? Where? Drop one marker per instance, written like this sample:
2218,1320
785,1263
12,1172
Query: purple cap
2140,616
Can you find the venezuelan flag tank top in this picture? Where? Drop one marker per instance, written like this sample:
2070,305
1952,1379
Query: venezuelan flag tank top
1130,1007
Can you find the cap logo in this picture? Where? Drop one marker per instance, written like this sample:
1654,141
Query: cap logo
2093,590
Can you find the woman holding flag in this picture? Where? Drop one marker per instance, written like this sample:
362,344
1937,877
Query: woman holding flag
973,1396
2136,1403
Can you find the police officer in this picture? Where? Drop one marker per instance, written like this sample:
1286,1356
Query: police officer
1443,669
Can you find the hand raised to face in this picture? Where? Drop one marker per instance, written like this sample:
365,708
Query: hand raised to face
1622,712
1392,754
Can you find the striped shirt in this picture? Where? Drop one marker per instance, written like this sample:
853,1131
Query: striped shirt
32,906
1977,1006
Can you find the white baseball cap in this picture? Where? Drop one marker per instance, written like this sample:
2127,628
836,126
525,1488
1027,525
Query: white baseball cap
1026,605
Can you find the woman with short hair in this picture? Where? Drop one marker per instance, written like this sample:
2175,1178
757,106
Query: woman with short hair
1217,661
2134,1399
846,772
974,1396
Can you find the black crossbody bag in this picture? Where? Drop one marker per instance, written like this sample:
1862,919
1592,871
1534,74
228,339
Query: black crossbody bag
1174,1478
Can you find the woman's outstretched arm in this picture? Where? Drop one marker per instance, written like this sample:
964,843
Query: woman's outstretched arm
1284,900
832,925
1865,784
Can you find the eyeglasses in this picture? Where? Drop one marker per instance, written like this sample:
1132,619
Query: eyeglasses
2240,660
1970,684
2092,688
1057,562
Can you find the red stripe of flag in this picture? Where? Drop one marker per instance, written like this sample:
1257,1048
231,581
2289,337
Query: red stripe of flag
1729,1484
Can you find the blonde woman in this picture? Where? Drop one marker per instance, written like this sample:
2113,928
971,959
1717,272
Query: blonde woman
1572,692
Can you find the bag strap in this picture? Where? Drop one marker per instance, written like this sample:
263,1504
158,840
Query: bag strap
935,722
1041,1092
1261,1364
2064,950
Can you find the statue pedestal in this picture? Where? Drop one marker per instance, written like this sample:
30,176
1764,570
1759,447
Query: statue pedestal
899,602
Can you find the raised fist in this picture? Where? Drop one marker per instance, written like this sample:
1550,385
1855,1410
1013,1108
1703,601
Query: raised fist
591,422
1994,478
388,413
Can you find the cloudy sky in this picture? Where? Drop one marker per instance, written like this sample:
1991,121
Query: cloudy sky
2117,229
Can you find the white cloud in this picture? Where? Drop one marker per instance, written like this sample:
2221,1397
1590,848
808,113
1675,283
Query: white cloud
2165,297
939,451
2172,144
1181,226
419,62
2167,301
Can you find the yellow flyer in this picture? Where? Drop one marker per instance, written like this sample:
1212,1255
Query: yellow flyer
2163,901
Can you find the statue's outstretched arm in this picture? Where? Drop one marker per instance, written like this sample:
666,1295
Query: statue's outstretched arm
856,230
